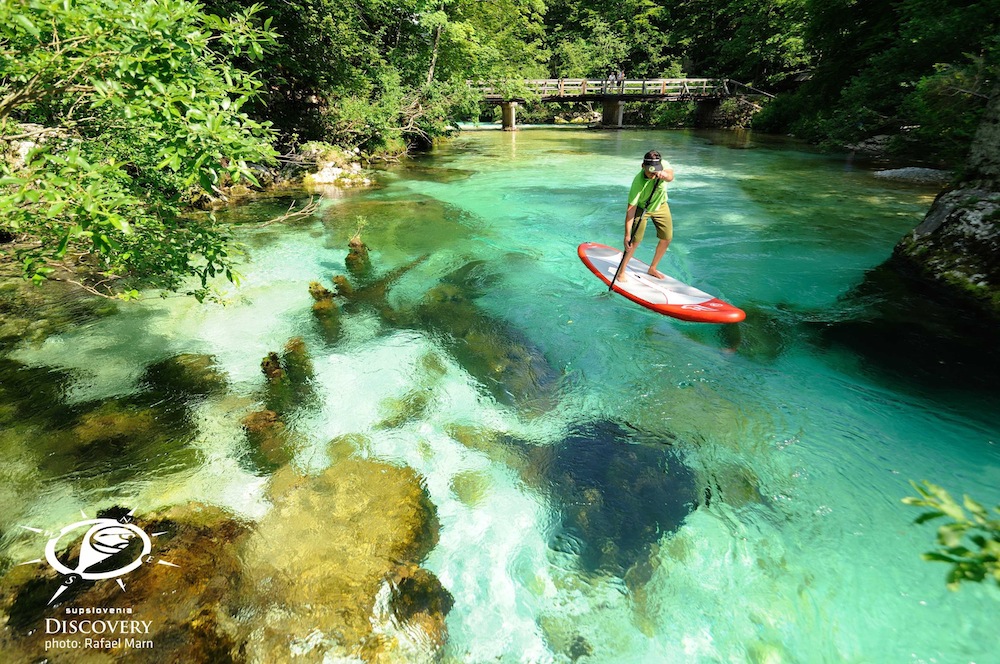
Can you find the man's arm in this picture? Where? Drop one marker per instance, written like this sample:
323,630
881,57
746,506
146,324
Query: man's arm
629,217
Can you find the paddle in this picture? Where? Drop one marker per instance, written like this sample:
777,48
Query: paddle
636,220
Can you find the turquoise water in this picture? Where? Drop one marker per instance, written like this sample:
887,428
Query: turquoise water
784,448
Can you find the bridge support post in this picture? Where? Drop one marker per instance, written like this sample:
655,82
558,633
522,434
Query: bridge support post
705,111
508,110
612,114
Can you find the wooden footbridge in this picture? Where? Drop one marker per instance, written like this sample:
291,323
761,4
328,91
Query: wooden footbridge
612,94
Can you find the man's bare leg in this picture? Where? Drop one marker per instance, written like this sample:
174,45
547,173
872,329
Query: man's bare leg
625,259
661,249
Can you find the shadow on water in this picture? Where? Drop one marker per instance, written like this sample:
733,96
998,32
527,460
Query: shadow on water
906,334
910,334
618,492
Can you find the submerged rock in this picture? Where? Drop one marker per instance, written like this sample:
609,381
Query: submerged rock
617,497
333,571
914,334
271,366
617,492
120,439
269,440
373,294
411,406
319,561
187,374
31,313
184,603
320,293
913,174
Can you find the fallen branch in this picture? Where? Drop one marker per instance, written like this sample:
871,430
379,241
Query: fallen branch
306,210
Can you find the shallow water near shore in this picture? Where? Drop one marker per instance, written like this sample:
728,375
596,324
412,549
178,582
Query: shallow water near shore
611,485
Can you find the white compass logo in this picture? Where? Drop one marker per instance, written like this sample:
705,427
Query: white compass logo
103,539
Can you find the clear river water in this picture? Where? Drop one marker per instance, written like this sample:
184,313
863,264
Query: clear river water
649,490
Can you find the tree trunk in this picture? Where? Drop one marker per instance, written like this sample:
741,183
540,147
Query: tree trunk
434,53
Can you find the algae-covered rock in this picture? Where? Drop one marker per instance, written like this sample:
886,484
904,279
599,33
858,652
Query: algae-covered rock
32,313
617,496
269,440
957,245
187,373
180,595
319,559
398,411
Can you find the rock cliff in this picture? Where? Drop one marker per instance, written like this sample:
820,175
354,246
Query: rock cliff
957,246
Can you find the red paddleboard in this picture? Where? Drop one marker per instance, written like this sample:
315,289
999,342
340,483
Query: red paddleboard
665,296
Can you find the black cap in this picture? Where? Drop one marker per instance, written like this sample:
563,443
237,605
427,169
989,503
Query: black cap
651,162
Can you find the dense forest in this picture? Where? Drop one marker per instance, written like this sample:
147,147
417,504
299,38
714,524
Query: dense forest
129,106
373,72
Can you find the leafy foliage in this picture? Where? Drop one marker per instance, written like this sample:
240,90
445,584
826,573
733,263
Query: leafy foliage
914,68
378,75
138,104
969,541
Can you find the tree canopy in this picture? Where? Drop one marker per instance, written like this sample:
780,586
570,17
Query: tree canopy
125,107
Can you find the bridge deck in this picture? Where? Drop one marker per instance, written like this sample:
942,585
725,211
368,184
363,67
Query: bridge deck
580,89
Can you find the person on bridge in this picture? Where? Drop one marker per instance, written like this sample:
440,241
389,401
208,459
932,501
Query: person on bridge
648,199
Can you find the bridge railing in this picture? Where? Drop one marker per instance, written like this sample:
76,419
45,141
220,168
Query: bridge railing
645,87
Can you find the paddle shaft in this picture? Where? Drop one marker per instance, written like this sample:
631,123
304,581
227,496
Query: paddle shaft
636,220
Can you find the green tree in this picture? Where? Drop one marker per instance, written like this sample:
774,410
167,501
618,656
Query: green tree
910,68
135,104
378,75
753,42
969,541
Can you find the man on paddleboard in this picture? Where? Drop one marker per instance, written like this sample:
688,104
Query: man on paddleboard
647,194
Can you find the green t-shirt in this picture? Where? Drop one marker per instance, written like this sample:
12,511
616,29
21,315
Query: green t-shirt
643,186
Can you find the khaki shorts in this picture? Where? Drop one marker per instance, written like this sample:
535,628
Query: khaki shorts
662,221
